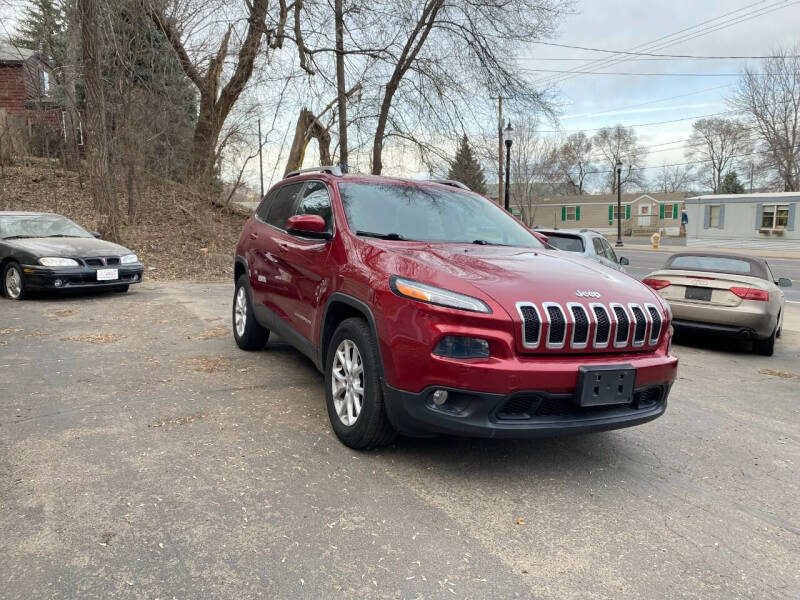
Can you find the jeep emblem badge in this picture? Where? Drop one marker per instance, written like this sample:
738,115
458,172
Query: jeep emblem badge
587,294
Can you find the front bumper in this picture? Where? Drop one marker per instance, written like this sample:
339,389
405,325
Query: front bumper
40,278
526,414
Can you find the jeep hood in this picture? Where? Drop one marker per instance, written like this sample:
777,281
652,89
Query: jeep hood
509,275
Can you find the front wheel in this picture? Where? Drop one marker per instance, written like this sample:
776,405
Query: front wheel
353,391
248,333
13,284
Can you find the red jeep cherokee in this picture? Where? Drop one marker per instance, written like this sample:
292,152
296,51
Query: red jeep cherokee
431,310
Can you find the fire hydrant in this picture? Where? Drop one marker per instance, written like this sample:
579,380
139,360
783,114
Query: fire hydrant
655,238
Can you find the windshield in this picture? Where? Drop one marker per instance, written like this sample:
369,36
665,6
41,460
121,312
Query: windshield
717,264
40,226
565,242
410,212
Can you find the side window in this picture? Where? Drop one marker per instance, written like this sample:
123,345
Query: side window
263,208
598,247
282,206
610,254
316,201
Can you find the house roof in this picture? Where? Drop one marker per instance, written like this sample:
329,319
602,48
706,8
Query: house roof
605,199
10,54
754,197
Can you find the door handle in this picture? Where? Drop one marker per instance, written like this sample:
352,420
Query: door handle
283,247
253,235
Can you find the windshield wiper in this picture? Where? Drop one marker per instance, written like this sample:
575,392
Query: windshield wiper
382,236
17,237
62,235
487,243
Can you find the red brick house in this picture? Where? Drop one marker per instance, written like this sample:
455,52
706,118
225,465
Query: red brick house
27,86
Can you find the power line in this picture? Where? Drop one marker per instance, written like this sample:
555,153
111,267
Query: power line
525,70
650,53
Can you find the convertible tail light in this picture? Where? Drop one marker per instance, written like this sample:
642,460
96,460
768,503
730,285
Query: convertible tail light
656,284
751,293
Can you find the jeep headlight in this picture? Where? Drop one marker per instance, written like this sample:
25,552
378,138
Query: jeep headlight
129,259
407,288
57,261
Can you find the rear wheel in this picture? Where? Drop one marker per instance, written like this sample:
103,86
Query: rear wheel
353,391
248,333
13,284
766,347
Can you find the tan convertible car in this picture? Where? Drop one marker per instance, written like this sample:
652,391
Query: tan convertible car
726,294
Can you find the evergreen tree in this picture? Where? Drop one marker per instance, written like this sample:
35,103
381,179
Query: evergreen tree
731,184
42,28
466,168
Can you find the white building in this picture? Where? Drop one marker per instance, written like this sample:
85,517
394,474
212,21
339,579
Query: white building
767,220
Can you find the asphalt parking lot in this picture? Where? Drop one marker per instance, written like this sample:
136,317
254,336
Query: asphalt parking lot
142,455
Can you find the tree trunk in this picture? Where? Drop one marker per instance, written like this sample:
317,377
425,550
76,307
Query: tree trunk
380,130
97,139
341,90
308,126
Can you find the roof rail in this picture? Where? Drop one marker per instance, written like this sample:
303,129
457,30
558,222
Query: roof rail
329,169
450,182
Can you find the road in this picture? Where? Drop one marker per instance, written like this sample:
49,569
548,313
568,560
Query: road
647,261
142,455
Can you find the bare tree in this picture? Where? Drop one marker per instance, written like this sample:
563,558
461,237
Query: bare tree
97,143
674,178
574,160
717,142
217,100
534,166
771,100
619,144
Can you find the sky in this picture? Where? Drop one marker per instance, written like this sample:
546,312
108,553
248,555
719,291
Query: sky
592,101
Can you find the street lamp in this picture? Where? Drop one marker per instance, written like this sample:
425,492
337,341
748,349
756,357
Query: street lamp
508,136
619,243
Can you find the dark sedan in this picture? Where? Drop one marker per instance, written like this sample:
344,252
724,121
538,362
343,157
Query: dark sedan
47,252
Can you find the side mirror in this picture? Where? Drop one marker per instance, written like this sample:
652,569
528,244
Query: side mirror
312,226
96,234
624,261
784,282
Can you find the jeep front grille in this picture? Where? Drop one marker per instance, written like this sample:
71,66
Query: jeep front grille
589,327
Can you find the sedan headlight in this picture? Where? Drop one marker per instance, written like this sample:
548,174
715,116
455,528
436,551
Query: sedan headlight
129,259
57,261
433,295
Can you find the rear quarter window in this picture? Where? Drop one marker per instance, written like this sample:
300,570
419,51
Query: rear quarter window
569,243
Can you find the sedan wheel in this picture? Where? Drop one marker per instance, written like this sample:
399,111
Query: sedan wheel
347,383
13,284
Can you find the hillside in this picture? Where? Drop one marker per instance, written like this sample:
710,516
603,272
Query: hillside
176,233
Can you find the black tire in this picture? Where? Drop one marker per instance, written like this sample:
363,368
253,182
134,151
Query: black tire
371,427
8,267
122,289
766,347
253,336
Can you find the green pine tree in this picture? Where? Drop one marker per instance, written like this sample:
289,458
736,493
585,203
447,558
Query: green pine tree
42,28
731,184
466,168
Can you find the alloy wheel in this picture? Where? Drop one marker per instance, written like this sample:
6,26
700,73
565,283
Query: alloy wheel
13,283
240,311
348,382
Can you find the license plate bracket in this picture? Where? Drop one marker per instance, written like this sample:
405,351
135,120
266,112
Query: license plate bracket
107,274
698,293
605,385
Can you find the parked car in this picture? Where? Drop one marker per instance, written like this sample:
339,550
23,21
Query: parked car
723,294
47,252
429,309
586,242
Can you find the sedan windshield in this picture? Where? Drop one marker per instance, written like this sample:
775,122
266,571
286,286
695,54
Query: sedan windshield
40,226
426,213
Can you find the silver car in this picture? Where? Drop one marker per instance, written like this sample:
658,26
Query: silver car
586,242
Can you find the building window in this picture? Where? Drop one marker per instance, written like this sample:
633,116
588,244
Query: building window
45,83
713,215
570,213
776,216
669,211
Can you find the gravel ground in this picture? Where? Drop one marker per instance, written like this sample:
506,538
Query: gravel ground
142,455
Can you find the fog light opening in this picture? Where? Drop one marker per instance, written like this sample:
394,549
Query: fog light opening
58,283
439,397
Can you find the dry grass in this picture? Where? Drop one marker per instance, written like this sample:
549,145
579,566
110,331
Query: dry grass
97,338
209,364
177,233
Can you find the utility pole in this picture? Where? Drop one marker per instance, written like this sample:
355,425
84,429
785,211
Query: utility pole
500,148
260,161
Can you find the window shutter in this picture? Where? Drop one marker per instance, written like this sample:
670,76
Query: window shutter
628,211
563,213
660,211
721,216
792,211
759,214
706,216
577,213
675,211
610,214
